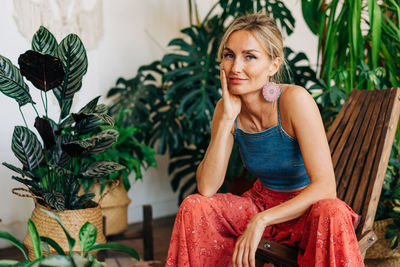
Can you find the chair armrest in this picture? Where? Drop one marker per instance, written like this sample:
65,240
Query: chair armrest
270,251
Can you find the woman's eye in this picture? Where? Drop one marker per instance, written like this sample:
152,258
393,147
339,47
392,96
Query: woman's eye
250,57
228,55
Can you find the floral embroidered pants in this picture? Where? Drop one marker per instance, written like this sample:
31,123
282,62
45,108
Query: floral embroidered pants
206,229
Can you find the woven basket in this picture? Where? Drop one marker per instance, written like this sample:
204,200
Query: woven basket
72,221
380,251
114,205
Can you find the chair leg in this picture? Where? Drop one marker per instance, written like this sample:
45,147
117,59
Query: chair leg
148,233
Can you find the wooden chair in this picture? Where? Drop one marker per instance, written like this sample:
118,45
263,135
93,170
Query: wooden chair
360,140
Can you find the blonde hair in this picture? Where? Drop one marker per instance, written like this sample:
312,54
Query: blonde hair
265,30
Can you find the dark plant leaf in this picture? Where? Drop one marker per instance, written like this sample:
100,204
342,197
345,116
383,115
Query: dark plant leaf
12,83
26,147
46,132
55,200
22,172
53,244
44,71
75,148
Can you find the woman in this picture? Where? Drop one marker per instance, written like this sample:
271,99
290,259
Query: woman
282,141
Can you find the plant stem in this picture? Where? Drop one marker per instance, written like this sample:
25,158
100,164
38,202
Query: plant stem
20,110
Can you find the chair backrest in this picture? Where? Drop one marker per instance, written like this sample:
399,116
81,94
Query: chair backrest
360,140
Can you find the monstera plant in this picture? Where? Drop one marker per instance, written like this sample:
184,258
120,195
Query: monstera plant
51,168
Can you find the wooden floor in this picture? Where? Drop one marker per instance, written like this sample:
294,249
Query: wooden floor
162,234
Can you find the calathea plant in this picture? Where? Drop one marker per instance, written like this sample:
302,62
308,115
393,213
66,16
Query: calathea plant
49,168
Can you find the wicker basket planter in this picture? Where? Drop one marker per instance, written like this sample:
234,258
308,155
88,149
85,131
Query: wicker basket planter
380,254
71,219
114,204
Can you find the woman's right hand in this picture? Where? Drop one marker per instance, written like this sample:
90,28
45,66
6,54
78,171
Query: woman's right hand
231,103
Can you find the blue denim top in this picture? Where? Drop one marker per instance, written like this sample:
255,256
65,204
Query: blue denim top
273,156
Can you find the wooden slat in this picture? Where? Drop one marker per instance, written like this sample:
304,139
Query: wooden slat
380,165
277,253
351,146
362,143
344,110
346,130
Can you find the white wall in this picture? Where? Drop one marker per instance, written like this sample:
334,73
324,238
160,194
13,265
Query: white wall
136,32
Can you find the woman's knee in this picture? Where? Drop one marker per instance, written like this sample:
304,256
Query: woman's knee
194,201
328,208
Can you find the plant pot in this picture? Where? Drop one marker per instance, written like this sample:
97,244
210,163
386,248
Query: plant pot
72,221
114,205
380,254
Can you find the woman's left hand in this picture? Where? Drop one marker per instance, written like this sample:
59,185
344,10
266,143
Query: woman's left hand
244,254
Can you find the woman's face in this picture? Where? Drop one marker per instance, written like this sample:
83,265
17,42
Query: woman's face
246,64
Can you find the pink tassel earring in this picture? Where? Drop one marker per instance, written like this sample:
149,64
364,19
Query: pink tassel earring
271,92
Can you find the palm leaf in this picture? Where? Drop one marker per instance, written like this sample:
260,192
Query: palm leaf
26,147
12,84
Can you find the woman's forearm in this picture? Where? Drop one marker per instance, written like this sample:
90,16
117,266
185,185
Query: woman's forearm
296,206
211,171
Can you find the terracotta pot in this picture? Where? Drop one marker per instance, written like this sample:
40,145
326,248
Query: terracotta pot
72,221
114,204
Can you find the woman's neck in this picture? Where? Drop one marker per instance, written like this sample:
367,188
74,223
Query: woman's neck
257,113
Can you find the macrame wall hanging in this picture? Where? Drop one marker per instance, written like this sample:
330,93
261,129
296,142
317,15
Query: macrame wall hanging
61,17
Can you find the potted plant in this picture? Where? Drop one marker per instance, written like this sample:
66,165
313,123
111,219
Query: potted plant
132,154
51,169
87,240
173,100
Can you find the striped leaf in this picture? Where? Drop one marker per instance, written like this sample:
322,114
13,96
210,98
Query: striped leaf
102,141
26,147
72,53
44,41
86,122
20,171
100,169
12,83
55,200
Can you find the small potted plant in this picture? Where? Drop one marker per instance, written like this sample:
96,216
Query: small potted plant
51,169
132,154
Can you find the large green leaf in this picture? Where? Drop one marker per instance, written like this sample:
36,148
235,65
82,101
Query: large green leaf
12,83
26,147
35,238
100,169
87,236
13,240
53,244
52,261
72,53
44,41
22,172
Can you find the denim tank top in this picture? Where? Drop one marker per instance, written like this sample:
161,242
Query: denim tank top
273,156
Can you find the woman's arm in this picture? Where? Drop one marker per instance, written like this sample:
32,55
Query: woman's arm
304,117
211,171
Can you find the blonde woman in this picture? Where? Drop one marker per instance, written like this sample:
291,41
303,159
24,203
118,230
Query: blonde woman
282,141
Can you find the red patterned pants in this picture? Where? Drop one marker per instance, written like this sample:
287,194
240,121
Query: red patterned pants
206,229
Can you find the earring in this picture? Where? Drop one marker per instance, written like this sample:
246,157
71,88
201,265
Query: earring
271,92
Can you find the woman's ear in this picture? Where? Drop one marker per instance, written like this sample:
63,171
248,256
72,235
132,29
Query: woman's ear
274,67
